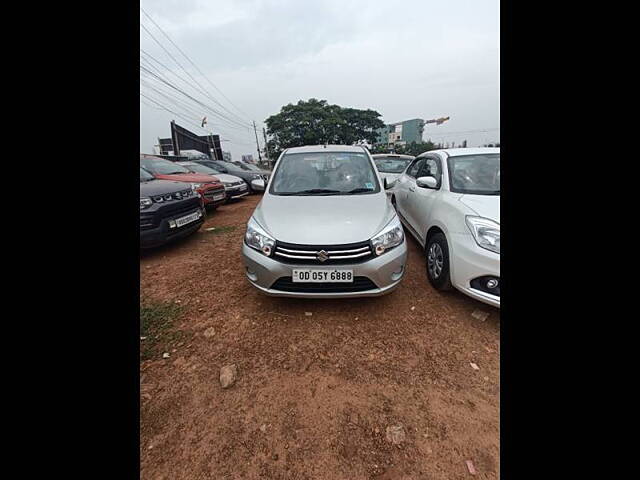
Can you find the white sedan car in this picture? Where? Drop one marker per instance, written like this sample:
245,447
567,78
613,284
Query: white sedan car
449,200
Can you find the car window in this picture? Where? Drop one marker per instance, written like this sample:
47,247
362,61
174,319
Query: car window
430,168
159,166
475,174
145,176
415,167
325,173
391,164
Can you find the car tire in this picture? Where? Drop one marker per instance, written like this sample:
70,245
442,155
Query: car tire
437,260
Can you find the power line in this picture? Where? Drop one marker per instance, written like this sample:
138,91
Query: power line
208,107
201,89
189,121
192,63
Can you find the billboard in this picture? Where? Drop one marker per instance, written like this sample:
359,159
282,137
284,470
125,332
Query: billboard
183,139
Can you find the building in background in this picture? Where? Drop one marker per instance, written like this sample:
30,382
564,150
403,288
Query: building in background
248,158
401,133
226,156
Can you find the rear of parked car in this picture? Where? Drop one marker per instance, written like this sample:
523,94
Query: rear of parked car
168,210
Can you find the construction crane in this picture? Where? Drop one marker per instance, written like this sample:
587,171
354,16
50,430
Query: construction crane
437,121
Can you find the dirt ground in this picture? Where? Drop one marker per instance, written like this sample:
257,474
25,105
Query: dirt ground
314,394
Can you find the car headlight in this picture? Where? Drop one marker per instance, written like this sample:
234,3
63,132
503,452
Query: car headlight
485,232
255,176
258,239
195,186
145,203
391,236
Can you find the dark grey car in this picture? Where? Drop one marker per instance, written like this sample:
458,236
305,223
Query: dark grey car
257,181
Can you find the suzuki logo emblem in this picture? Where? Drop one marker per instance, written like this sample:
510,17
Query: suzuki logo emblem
322,256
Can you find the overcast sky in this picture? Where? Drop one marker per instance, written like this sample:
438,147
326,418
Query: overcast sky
410,59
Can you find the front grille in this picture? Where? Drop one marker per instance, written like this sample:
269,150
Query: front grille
208,194
360,284
336,254
168,210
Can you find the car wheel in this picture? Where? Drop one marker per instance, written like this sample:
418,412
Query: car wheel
437,253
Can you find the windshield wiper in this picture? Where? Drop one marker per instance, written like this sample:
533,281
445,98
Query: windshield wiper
312,191
358,190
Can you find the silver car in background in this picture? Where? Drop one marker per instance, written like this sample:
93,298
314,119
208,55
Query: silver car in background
325,228
391,165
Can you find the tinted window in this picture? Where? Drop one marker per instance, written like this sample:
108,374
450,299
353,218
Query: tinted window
159,166
479,174
327,172
145,176
196,167
413,170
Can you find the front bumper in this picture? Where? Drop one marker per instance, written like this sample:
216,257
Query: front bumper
385,271
154,237
257,185
237,192
469,261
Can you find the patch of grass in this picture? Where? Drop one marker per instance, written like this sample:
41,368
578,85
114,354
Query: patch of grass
219,230
156,324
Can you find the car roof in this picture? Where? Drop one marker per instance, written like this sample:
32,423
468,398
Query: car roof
325,148
379,155
457,152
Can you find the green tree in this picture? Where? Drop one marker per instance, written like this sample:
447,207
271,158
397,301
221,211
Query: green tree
315,122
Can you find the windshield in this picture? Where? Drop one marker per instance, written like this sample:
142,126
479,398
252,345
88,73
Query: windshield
324,173
145,176
158,166
246,166
391,164
196,167
476,174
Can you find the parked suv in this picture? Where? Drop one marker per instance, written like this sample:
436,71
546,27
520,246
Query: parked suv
209,187
257,181
168,210
235,187
325,228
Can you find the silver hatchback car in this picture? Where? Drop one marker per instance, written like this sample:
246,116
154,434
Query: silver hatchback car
325,228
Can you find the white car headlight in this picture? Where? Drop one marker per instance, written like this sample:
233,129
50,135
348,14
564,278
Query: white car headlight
486,232
391,236
195,186
145,203
258,239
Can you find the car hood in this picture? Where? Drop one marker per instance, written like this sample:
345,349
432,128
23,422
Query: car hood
487,206
225,177
160,187
324,220
189,177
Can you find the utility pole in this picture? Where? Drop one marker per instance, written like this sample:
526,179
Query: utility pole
266,147
257,144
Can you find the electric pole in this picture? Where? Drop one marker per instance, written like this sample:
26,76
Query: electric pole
266,147
257,144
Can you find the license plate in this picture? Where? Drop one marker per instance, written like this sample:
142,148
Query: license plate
322,275
218,197
188,219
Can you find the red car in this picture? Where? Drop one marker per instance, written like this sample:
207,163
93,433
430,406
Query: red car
208,186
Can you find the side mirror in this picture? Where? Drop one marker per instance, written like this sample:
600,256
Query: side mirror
388,183
427,182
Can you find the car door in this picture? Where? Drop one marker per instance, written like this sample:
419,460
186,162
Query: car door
405,187
420,201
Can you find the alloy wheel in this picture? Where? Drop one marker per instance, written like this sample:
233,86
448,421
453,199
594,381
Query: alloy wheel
435,260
